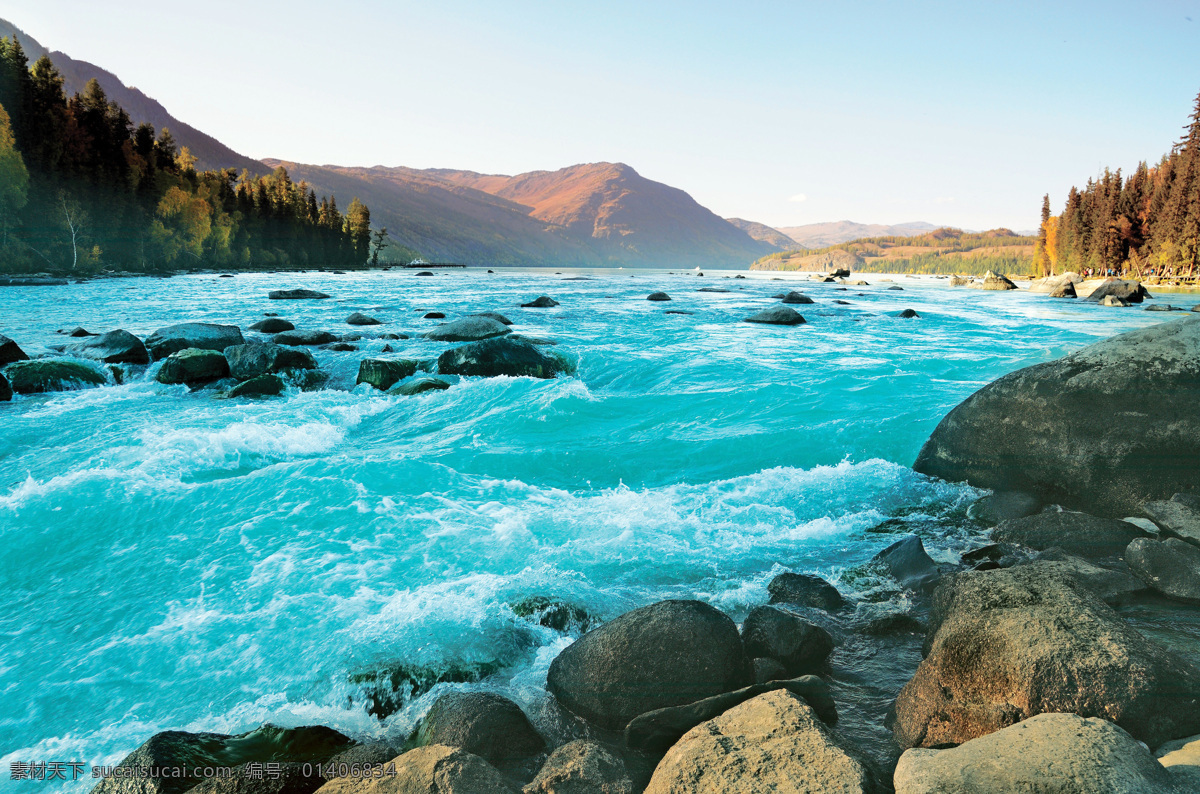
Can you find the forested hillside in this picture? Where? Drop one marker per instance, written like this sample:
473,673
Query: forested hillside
1146,224
82,189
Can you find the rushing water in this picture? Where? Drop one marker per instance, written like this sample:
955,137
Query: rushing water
173,561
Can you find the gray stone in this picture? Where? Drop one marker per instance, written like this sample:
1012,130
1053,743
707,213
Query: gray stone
658,296
1078,533
497,316
295,295
193,366
468,329
666,654
1113,300
795,298
200,336
501,356
260,386
383,373
1178,516
114,347
997,281
766,670
1172,567
907,563
49,375
805,590
1113,586
1050,753
435,769
777,315
1124,291
582,767
272,325
263,358
485,724
1003,506
800,646
542,302
304,338
1181,758
358,318
1133,437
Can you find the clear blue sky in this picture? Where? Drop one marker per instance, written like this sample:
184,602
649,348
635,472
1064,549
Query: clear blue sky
782,112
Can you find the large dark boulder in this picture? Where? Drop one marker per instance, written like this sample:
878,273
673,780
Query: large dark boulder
1129,291
193,366
188,751
419,386
295,295
777,315
272,325
114,347
383,373
202,336
497,316
997,281
488,725
805,590
468,329
304,338
1077,533
47,375
1178,516
257,387
796,298
6,392
665,654
358,318
502,356
1003,506
658,296
10,351
540,302
262,358
1008,644
1171,567
801,647
907,562
1103,429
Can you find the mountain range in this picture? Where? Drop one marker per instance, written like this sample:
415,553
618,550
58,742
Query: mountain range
589,215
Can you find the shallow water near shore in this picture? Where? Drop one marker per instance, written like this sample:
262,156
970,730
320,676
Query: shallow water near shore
174,561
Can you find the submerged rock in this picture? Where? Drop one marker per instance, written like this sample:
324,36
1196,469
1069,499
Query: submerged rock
772,743
658,296
497,316
295,295
304,338
907,314
997,281
502,356
800,646
1172,567
485,724
261,358
200,336
805,590
582,767
665,654
272,325
553,613
777,315
433,316
114,347
49,375
383,373
260,386
1078,533
193,366
541,302
468,329
10,351
1059,753
1113,300
386,688
358,318
419,386
1009,644
796,298
1011,434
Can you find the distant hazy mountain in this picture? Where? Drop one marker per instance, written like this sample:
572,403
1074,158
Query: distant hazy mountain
819,235
595,214
210,152
763,232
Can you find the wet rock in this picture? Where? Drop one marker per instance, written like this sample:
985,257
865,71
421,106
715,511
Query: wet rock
341,347
541,302
1078,533
272,325
658,296
805,590
582,767
78,332
1113,586
419,386
199,336
433,316
1050,284
959,281
907,563
777,315
1059,753
50,375
800,646
771,743
468,329
262,358
482,723
383,373
187,751
304,338
892,625
6,392
295,295
435,769
766,670
1172,567
997,281
711,289
193,366
655,731
1009,644
114,347
553,613
502,356
1181,757
1123,291
1011,434
497,316
665,654
358,318
10,351
842,302
908,314
429,273
677,311
796,298
1003,506
385,688
1163,307
898,289
1178,516
260,386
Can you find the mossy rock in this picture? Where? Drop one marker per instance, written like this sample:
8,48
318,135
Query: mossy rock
193,366
553,613
420,386
262,386
383,373
49,375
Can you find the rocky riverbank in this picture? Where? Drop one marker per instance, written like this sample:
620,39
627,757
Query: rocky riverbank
1037,670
